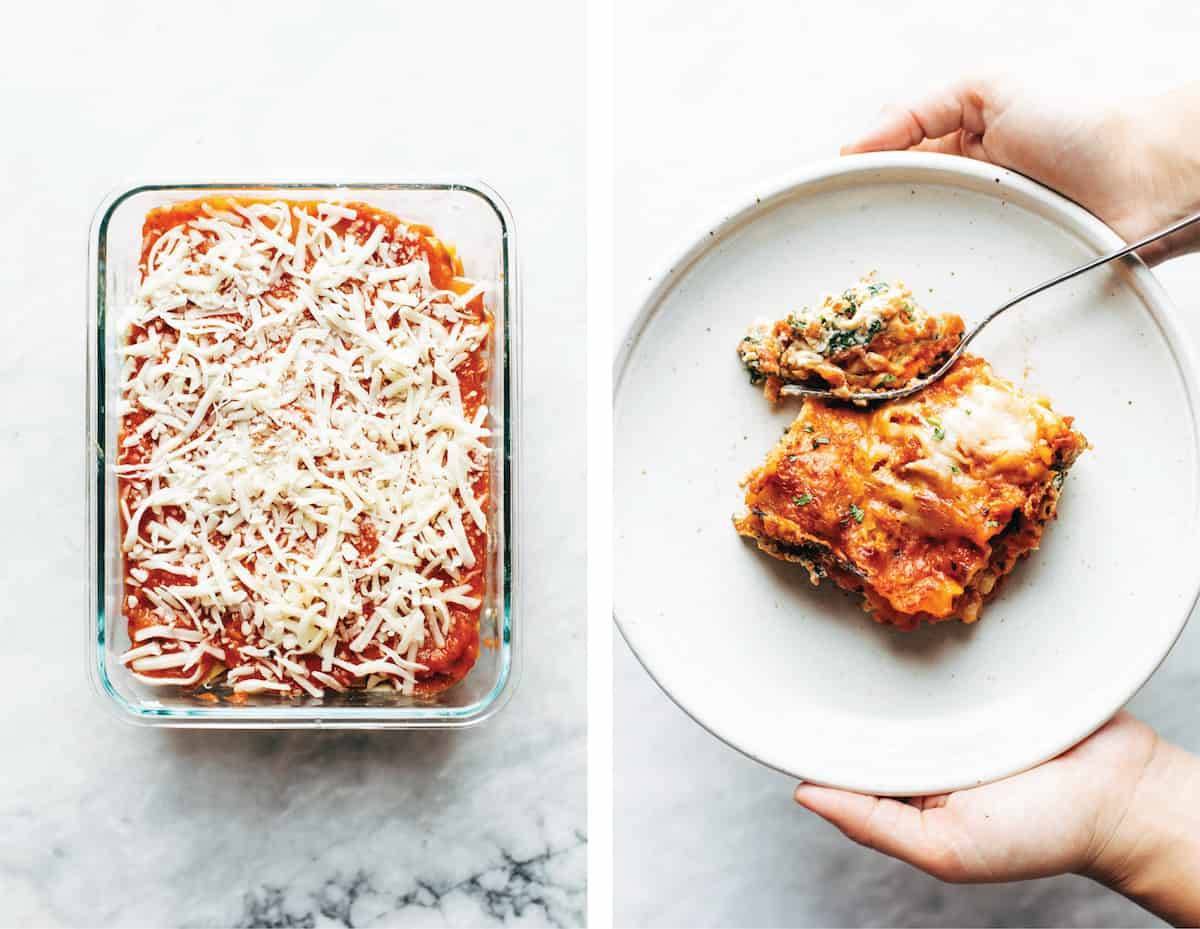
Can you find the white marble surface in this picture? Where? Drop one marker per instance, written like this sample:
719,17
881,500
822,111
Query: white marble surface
705,106
105,823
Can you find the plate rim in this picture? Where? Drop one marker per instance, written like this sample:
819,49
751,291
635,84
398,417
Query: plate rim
1071,218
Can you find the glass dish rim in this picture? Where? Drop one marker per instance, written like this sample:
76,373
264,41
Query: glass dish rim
284,716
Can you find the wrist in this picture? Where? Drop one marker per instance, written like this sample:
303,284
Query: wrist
1151,852
1164,145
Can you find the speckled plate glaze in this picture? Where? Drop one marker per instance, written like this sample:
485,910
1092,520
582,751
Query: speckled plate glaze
799,678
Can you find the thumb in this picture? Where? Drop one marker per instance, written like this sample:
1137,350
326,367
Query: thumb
886,825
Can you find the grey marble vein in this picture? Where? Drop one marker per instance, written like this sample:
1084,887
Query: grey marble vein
543,889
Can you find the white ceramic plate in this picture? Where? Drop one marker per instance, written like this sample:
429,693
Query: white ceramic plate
800,678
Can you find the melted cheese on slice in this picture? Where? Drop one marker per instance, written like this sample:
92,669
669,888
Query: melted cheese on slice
990,429
988,422
985,428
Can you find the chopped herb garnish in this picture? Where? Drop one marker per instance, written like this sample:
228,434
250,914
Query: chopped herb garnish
956,469
819,441
878,288
938,432
856,513
802,500
808,427
887,379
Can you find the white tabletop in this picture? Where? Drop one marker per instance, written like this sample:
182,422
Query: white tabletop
105,823
707,105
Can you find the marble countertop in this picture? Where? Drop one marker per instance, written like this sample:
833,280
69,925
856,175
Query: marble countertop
107,824
704,836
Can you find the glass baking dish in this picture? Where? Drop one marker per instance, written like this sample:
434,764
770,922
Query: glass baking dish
477,222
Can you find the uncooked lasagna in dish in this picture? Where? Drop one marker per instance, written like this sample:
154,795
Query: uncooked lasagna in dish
922,504
303,468
873,336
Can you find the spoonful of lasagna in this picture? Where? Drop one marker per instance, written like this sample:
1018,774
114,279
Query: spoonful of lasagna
873,342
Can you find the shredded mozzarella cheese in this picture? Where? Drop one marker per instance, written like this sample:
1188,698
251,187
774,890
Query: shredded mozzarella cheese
302,466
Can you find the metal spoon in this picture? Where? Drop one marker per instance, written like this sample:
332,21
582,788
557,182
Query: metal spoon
876,396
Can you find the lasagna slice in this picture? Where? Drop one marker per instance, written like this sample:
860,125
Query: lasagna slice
873,336
921,505
303,468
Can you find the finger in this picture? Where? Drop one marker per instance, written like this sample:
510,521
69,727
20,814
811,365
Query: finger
947,145
960,106
971,144
962,143
885,825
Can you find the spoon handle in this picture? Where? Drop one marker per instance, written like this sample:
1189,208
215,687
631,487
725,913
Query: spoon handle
921,383
1087,266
